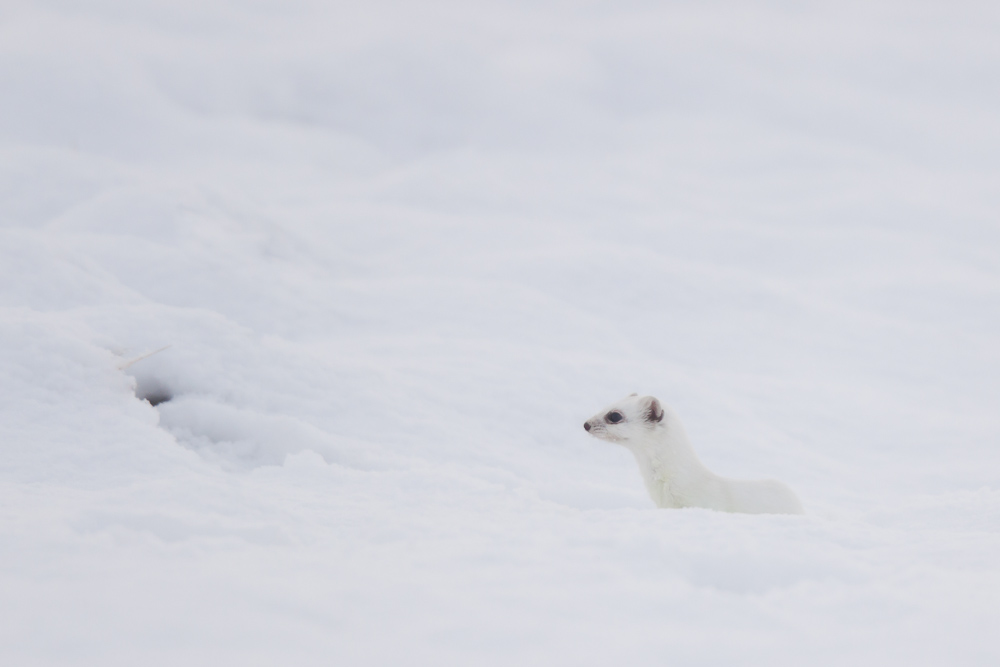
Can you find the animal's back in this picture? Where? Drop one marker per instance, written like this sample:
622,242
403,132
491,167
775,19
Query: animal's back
763,497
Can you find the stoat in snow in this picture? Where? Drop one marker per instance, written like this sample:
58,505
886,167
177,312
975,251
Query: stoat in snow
673,474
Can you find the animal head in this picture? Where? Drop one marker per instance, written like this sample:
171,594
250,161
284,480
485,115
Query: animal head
630,418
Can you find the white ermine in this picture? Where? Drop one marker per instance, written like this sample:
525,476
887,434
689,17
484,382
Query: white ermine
673,474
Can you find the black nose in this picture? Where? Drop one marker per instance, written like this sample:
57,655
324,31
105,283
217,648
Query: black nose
586,426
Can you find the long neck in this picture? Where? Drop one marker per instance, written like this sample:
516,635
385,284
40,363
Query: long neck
668,464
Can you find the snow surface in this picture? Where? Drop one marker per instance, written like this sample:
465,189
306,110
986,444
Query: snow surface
401,251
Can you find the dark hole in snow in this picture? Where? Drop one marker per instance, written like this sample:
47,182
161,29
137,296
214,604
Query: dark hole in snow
152,390
156,399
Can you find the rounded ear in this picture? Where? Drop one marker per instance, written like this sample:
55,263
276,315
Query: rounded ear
654,413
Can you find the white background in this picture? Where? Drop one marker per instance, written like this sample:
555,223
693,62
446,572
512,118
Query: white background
402,251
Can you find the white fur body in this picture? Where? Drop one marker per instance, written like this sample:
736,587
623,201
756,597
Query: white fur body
672,472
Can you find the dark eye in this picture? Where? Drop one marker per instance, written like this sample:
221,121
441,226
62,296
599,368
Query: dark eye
613,417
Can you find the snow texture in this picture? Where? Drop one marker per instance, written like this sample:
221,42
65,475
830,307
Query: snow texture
401,251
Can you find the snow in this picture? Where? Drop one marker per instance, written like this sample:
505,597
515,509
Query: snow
400,252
